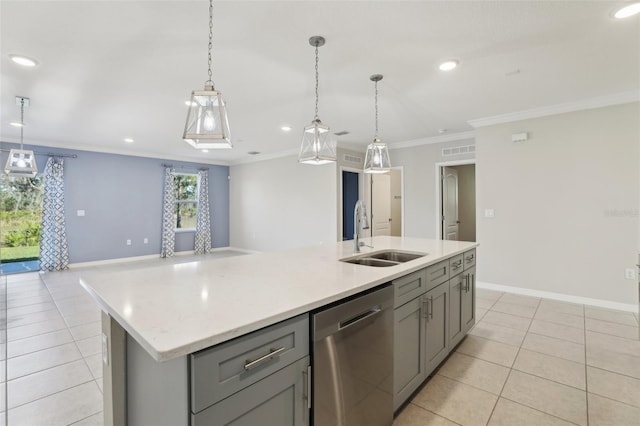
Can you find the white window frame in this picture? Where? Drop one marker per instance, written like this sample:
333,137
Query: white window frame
197,201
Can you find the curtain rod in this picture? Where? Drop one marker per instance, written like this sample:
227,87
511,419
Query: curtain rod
48,154
183,167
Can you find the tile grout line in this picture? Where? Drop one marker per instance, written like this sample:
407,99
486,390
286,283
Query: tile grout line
75,342
586,368
540,411
514,361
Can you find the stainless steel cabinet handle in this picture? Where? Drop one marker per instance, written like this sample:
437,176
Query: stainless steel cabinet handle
469,258
307,396
360,317
249,365
457,264
431,308
466,283
425,308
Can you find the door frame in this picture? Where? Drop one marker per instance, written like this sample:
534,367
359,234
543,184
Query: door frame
361,189
438,192
402,205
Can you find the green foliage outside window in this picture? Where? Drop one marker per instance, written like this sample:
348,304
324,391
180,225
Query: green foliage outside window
20,216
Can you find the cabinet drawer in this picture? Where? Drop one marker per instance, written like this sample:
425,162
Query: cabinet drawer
224,369
469,258
409,287
437,274
456,265
280,399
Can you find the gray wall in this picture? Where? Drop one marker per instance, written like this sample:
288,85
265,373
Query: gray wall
565,203
280,204
419,165
122,199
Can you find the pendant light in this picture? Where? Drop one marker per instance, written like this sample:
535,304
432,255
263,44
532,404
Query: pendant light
21,162
377,158
318,143
207,125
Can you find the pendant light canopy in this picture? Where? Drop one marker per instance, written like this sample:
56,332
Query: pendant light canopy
207,125
21,162
318,143
377,158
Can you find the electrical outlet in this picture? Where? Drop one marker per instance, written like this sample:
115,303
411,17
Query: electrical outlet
489,213
128,242
630,274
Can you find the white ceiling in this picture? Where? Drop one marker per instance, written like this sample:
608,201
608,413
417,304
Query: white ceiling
115,69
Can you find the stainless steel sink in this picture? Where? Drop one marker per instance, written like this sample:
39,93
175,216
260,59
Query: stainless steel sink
384,258
397,256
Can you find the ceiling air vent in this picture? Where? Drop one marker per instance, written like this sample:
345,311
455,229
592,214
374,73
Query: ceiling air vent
353,159
458,150
342,133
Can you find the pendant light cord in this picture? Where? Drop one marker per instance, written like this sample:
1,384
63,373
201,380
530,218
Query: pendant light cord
210,42
21,122
376,105
316,116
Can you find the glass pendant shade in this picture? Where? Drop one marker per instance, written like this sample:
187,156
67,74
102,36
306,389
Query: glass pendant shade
377,158
207,125
318,144
21,163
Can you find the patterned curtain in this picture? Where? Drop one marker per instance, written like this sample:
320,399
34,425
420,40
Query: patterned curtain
54,252
203,220
168,227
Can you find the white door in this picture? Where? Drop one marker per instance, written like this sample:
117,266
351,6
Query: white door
381,211
450,203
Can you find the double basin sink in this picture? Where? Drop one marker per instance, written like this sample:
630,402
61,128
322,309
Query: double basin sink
384,258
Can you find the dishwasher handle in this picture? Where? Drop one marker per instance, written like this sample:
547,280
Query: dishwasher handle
360,317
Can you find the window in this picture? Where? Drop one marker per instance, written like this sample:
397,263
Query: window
185,187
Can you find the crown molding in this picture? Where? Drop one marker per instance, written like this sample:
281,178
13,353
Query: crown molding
434,139
116,151
598,102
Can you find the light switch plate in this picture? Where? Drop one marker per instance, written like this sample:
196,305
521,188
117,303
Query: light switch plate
80,212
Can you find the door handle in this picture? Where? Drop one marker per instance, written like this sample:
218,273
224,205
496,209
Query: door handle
431,307
360,317
307,396
425,307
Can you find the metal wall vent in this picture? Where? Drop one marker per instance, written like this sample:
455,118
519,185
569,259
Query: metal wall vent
458,150
353,159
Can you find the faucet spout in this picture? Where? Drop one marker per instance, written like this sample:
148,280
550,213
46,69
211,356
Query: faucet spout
359,216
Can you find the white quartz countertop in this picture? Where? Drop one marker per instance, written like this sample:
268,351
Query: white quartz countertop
176,309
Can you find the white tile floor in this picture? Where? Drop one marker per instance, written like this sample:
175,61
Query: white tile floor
528,361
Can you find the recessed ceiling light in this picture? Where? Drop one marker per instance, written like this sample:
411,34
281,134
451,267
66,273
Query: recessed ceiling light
16,124
23,60
189,103
627,11
448,65
285,128
205,150
128,140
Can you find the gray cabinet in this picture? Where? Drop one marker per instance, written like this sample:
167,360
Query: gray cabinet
259,378
456,299
437,326
468,302
279,399
409,339
430,319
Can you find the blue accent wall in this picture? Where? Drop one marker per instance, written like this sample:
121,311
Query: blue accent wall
122,199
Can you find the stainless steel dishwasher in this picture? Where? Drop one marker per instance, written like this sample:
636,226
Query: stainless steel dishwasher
353,362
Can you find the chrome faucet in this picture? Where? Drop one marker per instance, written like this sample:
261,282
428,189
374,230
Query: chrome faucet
359,223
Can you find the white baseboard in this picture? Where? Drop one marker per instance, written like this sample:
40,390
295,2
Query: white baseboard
559,296
148,257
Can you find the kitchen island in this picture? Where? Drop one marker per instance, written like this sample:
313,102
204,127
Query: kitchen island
155,317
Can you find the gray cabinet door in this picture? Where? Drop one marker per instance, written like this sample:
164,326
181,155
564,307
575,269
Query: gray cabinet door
437,327
469,300
409,350
279,399
456,323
